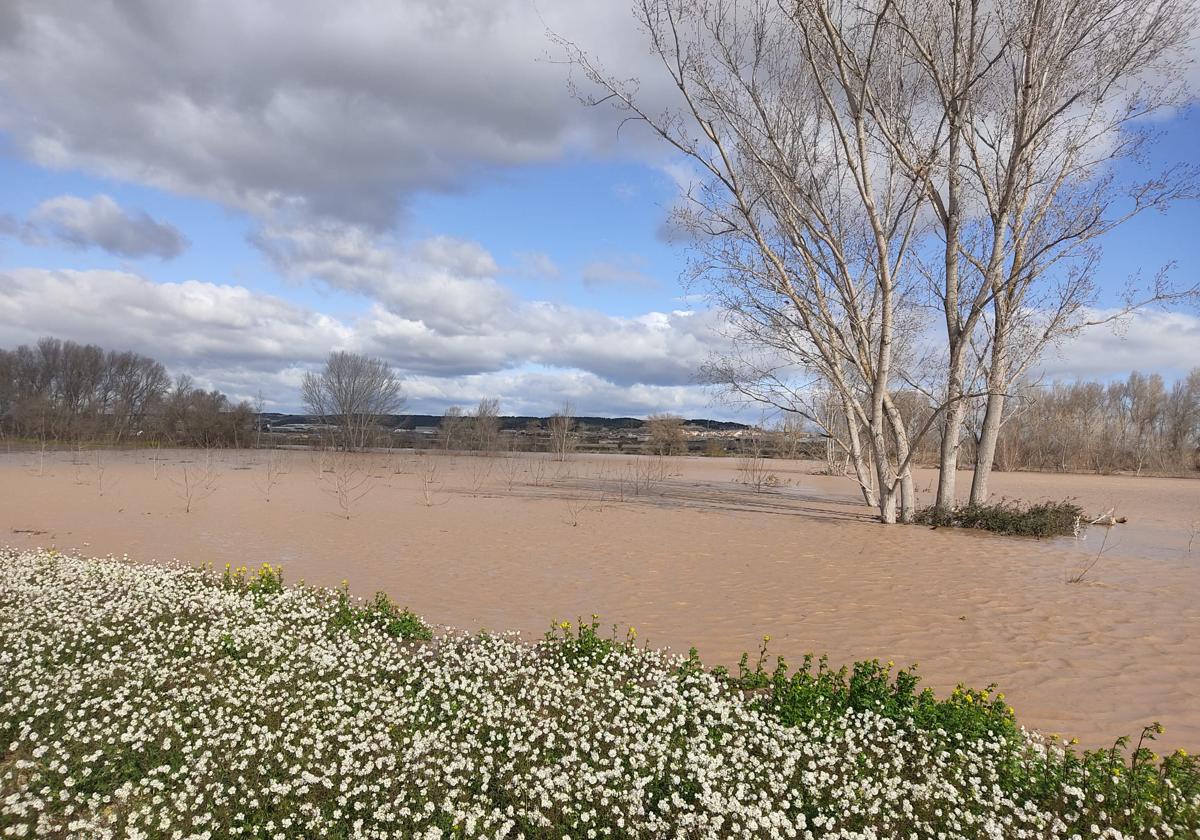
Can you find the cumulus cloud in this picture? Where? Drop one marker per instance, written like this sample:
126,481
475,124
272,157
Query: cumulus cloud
99,222
234,337
243,342
1151,340
539,393
437,299
180,323
445,283
270,106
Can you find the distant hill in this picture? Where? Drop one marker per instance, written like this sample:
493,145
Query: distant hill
412,421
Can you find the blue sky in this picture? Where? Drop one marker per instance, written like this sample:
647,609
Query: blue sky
239,195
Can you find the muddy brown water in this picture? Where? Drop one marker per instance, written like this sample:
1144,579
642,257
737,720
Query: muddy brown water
697,558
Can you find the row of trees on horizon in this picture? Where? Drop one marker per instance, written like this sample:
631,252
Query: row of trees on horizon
67,392
64,391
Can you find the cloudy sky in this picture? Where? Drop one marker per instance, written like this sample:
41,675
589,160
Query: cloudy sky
236,188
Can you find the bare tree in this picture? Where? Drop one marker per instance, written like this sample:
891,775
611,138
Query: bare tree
512,464
195,483
452,428
348,480
431,484
1037,102
352,392
805,221
666,434
562,432
275,466
100,470
752,464
858,161
485,425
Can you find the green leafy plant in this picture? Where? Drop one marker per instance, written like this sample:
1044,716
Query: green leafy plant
582,640
381,612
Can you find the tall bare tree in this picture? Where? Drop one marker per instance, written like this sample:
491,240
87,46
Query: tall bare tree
562,432
806,221
352,392
452,428
1037,100
857,161
485,425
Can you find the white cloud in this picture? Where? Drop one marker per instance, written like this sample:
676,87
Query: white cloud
437,306
270,107
539,393
1151,340
240,340
99,222
183,324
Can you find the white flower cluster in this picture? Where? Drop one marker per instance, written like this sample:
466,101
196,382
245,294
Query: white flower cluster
146,702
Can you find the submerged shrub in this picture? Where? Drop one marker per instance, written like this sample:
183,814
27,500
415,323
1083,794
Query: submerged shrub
145,702
1011,518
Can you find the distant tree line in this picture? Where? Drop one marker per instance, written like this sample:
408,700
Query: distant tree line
63,391
1136,425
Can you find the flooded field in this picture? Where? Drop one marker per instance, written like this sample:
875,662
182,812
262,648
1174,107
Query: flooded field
689,554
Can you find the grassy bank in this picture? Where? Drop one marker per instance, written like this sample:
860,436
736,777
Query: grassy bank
140,701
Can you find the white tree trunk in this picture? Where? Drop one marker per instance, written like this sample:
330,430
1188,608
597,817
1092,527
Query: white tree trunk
985,453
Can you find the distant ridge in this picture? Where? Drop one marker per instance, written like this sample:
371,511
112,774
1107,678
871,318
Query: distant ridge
412,421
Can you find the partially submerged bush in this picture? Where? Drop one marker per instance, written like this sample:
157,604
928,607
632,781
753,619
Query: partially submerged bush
139,701
1008,517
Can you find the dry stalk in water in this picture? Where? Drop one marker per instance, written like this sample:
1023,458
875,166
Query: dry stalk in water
194,483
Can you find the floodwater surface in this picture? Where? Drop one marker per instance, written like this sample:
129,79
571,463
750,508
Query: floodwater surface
686,552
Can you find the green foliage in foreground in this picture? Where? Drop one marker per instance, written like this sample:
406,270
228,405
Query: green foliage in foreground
1011,518
144,702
